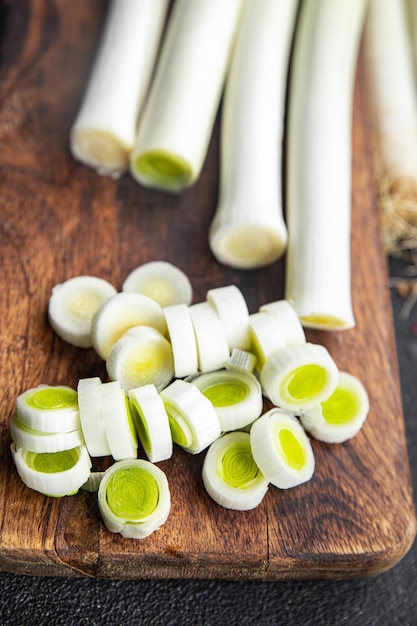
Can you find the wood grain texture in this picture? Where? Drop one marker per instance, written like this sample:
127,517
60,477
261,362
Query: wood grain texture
59,219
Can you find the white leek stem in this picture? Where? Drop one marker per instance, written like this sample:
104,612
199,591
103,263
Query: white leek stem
248,229
178,117
391,77
104,131
318,280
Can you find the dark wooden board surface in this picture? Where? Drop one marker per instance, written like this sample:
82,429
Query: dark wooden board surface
59,219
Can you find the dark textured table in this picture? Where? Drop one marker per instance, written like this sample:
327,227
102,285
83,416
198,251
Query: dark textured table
389,599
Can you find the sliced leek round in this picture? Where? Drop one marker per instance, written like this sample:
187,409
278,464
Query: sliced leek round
231,476
183,341
162,281
50,409
118,421
287,319
38,441
72,306
299,376
282,449
241,361
192,418
212,348
235,396
121,312
134,498
267,337
232,310
151,422
54,474
92,425
342,415
140,357
93,482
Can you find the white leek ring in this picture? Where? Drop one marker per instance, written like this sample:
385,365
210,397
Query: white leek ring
230,475
118,421
193,420
342,415
50,409
164,282
232,310
183,340
212,348
120,313
151,422
134,498
73,304
142,356
38,441
235,396
92,425
300,376
54,474
282,449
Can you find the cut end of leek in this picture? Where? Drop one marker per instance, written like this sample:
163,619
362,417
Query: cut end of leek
161,170
100,150
247,246
134,498
327,322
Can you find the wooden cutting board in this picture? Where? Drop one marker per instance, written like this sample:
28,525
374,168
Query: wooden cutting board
59,219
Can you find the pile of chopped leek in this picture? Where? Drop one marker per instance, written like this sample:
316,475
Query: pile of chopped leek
193,375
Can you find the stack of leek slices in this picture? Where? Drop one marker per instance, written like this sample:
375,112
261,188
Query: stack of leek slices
191,374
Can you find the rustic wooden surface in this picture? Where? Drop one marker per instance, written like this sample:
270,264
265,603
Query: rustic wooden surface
59,219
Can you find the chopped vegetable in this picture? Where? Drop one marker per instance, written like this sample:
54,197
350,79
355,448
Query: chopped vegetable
241,361
151,422
281,449
141,356
183,340
342,415
267,336
103,133
40,441
120,313
54,474
236,397
287,319
318,276
231,307
161,281
134,498
73,304
248,228
193,420
50,409
212,349
92,425
298,377
230,475
118,421
176,124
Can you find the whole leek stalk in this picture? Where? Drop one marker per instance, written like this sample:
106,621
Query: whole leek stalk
177,121
103,133
318,270
248,229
